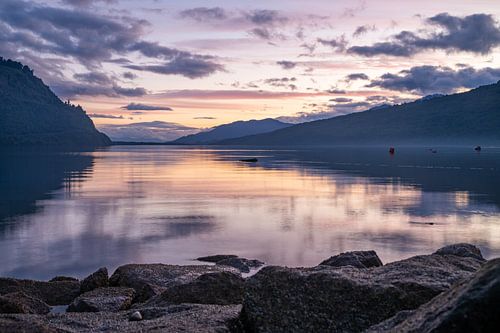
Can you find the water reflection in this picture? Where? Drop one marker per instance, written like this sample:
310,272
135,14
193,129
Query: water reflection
70,213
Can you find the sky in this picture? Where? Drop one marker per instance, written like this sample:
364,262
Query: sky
155,70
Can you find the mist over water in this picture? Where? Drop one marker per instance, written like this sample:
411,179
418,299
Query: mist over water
68,213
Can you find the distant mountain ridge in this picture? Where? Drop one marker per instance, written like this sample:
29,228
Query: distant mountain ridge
31,114
471,118
233,130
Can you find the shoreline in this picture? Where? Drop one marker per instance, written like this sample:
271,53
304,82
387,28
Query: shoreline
348,292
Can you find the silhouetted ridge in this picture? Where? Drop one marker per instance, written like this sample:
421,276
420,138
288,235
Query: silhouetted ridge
30,113
468,118
233,130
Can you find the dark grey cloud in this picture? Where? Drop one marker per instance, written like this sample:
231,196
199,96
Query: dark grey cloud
203,14
145,107
363,29
341,100
105,116
130,92
129,76
283,82
93,77
208,118
425,80
71,89
339,44
88,38
266,17
86,3
285,64
477,33
357,76
154,131
191,67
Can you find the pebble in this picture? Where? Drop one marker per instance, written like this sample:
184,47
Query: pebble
136,316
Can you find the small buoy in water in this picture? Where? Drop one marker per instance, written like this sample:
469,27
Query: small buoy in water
478,148
249,160
392,150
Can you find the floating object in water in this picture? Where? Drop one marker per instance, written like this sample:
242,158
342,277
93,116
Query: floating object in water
392,150
249,160
478,148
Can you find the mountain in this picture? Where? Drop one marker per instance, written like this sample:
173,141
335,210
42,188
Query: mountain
468,118
31,114
233,130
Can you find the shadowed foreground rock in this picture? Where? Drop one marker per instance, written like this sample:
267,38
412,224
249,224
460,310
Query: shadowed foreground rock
98,279
347,299
222,288
151,280
52,293
469,307
103,299
180,318
358,259
21,303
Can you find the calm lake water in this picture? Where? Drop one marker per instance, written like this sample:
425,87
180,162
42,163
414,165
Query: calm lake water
68,213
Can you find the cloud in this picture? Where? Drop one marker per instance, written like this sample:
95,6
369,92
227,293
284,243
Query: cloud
363,29
203,14
93,77
425,80
266,17
105,116
477,33
130,92
129,76
191,67
154,131
284,82
339,44
71,89
357,76
285,64
86,3
204,118
145,107
341,100
88,38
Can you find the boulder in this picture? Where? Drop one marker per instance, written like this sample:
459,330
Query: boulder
19,302
24,324
98,279
63,278
52,293
470,306
222,288
242,264
347,299
217,257
103,299
177,318
150,280
461,250
358,259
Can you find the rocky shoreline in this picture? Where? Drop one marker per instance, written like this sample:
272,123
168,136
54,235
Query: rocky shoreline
452,290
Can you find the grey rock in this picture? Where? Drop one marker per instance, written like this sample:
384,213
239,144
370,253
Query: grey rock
150,280
241,264
222,288
346,299
98,279
52,293
63,278
103,299
19,302
470,306
24,324
358,259
217,257
135,316
178,318
461,250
